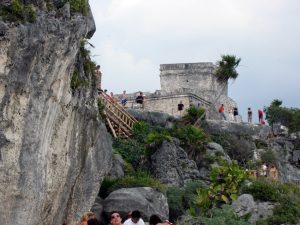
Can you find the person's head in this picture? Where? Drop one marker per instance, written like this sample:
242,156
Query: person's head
249,108
86,216
135,216
124,92
141,93
98,67
154,219
115,218
93,221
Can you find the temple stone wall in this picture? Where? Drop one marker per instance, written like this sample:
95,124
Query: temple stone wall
168,103
195,76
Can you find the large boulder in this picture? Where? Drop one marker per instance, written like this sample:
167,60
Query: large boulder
255,131
153,118
145,199
117,170
171,165
245,204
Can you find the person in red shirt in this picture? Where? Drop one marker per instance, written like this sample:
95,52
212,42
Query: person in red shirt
260,116
221,112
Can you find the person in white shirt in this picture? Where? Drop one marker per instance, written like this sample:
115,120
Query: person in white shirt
135,219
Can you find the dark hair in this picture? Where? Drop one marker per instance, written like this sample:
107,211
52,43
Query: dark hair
154,219
136,214
93,222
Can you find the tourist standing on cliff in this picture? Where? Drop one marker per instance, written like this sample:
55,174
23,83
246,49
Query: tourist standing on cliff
249,115
260,116
123,98
221,112
235,113
180,107
140,99
98,76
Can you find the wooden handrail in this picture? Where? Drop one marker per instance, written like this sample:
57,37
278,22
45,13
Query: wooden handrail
119,121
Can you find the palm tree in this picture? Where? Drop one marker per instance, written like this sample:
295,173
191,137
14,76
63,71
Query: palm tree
226,69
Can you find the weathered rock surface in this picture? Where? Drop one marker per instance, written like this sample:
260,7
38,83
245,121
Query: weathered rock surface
254,130
171,165
144,199
245,204
153,118
54,150
288,159
117,169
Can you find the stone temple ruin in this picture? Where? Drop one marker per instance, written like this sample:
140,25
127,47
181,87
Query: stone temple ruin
193,84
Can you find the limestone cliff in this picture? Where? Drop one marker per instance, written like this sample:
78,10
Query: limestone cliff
54,150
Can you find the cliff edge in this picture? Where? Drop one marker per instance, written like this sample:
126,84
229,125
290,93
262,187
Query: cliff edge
54,149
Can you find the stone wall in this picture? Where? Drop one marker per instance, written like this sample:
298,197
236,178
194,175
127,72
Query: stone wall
196,76
169,103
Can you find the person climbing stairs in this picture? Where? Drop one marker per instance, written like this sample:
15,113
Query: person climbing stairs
118,120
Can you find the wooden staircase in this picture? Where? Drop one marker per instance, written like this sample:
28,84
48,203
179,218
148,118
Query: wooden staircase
118,120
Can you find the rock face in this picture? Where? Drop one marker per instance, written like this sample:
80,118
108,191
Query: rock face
54,150
144,199
245,204
153,118
117,169
171,165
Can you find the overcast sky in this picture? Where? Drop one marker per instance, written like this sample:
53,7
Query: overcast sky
134,37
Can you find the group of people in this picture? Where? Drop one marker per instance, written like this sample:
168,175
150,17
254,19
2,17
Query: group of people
233,114
134,218
268,170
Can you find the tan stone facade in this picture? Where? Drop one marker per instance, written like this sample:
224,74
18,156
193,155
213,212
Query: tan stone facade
191,83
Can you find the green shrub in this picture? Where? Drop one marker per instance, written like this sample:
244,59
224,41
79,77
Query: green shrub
263,189
190,192
89,67
218,216
175,201
269,157
140,131
77,81
101,108
17,9
106,186
193,113
191,137
17,12
226,181
30,13
158,138
132,151
283,214
139,179
79,6
85,53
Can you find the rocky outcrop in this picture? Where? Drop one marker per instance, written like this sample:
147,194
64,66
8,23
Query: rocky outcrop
117,169
245,204
246,129
54,149
144,199
171,165
153,118
288,161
